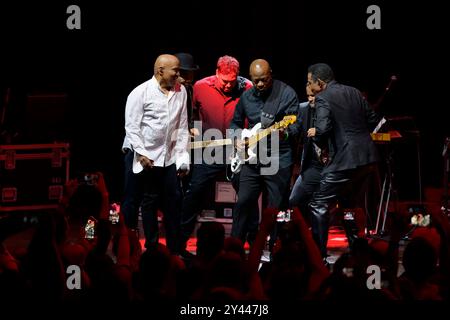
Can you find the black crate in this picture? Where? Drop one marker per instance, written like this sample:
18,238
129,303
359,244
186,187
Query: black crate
32,176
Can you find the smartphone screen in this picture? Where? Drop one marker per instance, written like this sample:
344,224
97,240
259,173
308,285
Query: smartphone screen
89,229
114,213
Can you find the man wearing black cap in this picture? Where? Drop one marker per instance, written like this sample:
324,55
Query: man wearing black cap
186,78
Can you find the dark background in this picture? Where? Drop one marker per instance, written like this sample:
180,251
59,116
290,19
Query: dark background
97,66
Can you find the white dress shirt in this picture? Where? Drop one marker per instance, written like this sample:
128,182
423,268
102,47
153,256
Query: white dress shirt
156,124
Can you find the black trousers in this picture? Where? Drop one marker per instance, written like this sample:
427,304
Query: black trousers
202,177
251,184
334,185
133,192
153,189
162,189
302,192
304,187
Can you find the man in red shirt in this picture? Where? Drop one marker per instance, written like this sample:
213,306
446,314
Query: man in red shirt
215,99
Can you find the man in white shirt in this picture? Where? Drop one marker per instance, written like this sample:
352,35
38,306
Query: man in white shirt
156,127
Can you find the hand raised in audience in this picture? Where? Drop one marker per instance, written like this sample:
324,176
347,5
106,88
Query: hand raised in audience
101,186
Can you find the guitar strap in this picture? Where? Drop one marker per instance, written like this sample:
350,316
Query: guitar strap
272,104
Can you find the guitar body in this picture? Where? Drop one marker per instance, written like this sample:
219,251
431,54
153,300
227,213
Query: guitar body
251,138
249,154
236,164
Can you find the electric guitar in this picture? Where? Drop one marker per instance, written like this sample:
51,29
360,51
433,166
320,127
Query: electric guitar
251,138
209,143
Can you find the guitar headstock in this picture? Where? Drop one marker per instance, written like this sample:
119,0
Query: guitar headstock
287,120
284,123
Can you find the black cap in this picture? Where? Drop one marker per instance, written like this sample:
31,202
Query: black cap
186,62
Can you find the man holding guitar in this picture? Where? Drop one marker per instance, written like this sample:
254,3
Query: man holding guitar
268,102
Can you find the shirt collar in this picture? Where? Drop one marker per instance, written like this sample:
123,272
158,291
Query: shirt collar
155,84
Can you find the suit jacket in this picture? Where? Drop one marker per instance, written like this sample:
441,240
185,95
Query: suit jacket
250,107
308,152
345,120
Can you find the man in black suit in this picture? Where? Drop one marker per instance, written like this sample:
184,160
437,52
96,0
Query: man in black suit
343,123
312,161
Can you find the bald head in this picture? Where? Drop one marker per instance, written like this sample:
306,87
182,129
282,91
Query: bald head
167,70
164,61
261,74
259,66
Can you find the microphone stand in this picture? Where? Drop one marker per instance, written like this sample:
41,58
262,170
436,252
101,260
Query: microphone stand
377,104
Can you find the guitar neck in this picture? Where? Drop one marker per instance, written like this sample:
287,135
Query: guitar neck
263,133
287,120
209,143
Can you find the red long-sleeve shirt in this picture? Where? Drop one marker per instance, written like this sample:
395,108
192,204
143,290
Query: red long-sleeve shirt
214,108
